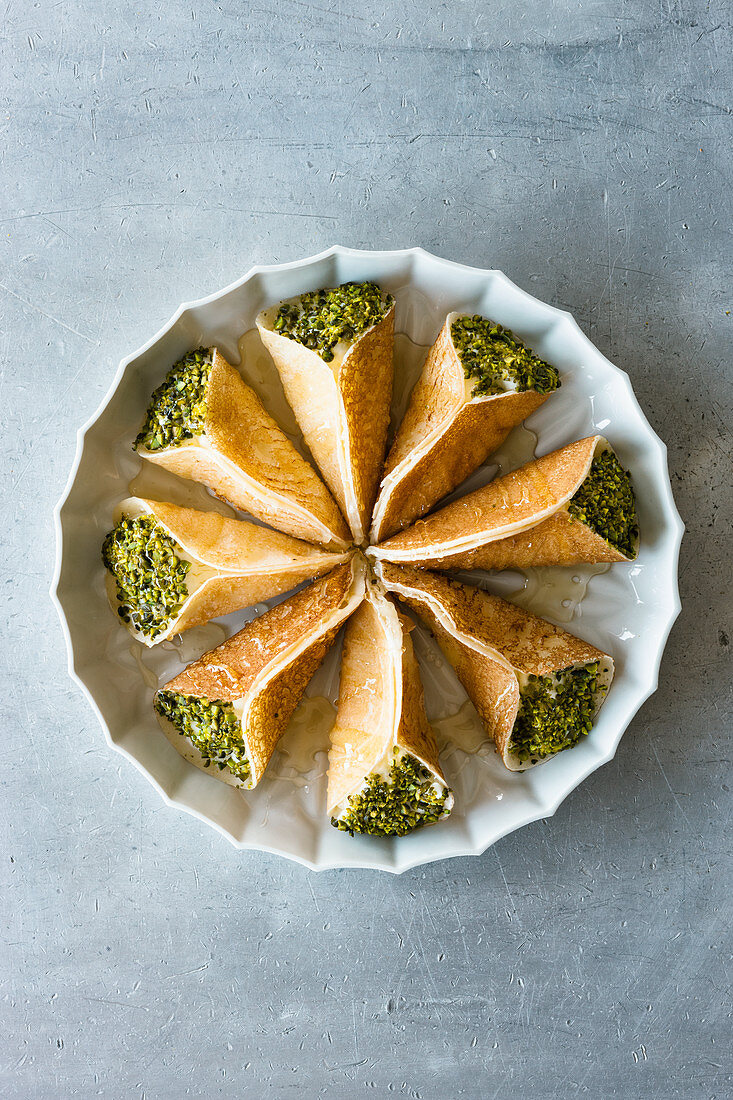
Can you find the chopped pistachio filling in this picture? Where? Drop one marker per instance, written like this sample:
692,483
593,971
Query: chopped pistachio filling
395,806
149,573
605,501
212,727
321,319
177,409
555,712
498,360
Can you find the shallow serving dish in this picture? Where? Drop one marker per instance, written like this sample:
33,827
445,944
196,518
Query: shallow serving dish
626,610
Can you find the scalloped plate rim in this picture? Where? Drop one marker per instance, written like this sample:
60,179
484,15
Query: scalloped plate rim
674,532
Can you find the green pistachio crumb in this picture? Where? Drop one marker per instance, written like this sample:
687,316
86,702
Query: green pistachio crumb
605,502
555,712
149,572
494,356
321,319
211,726
396,805
177,409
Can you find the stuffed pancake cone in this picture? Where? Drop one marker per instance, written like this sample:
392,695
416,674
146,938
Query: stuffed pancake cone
572,506
537,689
227,711
342,404
172,568
206,424
384,777
449,429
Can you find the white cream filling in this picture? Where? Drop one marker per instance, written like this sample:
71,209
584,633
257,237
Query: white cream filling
507,385
603,682
267,317
196,577
382,770
187,749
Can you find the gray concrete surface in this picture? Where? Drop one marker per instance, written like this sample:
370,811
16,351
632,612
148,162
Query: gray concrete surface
151,153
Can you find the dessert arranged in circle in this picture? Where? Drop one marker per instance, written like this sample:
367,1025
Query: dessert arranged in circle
369,535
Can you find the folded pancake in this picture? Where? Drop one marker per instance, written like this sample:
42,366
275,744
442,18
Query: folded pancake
231,706
171,568
574,505
537,689
479,381
384,778
333,350
205,423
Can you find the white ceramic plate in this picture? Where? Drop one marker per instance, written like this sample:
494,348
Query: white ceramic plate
626,610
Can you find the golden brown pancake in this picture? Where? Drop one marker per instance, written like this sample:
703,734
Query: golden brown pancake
264,669
445,435
234,563
245,458
494,647
381,713
514,522
342,407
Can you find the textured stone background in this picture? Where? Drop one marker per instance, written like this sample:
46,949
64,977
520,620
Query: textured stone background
152,152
